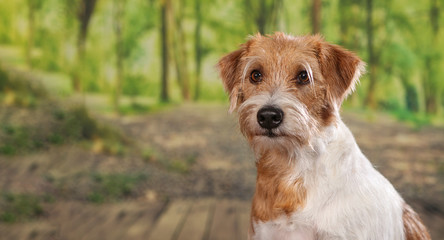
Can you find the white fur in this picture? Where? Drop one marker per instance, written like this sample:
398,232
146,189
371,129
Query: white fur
346,197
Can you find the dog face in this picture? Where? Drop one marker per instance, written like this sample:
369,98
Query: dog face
286,89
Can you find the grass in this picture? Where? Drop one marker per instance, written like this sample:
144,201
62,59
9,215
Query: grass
20,207
181,166
150,155
57,124
135,108
418,120
16,90
112,187
17,138
212,92
60,126
177,165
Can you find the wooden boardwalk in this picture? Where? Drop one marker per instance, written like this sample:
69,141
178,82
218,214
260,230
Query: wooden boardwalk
203,219
181,219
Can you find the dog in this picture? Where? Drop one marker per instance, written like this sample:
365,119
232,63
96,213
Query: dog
313,181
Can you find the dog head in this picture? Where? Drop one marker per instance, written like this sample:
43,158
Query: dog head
285,88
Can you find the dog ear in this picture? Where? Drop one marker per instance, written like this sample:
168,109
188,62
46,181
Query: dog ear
341,69
230,74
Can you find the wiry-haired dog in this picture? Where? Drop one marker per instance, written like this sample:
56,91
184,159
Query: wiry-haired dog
313,182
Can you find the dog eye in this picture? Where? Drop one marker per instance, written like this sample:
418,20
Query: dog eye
302,78
256,77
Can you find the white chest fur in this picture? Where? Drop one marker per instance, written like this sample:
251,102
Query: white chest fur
346,197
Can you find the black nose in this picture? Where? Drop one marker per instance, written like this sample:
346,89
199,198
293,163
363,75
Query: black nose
270,117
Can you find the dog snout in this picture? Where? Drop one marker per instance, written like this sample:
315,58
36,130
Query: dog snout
270,117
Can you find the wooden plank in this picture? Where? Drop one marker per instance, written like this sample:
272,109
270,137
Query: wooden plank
244,208
171,221
224,225
105,229
140,229
196,222
82,223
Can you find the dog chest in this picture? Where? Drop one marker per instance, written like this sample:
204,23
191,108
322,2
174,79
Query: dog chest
282,229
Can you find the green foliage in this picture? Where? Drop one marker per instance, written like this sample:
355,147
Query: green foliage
137,108
112,187
182,166
212,92
418,120
178,165
76,124
19,207
149,154
59,126
16,90
406,45
135,85
16,138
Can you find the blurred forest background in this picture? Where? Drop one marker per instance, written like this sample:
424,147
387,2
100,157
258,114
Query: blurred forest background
112,114
166,50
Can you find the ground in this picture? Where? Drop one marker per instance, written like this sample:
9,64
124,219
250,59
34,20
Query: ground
190,159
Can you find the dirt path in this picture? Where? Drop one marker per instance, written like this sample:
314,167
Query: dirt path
214,162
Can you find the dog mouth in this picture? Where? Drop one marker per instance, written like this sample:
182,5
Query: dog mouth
269,133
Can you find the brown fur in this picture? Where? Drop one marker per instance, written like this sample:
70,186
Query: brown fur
338,66
275,195
413,227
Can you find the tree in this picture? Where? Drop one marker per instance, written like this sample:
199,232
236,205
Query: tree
370,98
33,7
84,10
431,80
316,16
165,9
197,47
119,6
180,52
263,13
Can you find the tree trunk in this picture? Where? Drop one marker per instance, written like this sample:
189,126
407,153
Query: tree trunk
165,6
343,23
316,16
180,55
370,98
119,6
197,48
411,94
76,79
31,30
85,10
263,13
261,17
431,85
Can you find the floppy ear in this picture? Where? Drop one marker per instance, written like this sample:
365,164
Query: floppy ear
341,69
230,74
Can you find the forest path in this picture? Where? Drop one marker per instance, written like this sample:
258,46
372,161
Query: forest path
218,181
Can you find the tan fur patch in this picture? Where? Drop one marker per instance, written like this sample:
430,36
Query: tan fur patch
276,194
413,227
